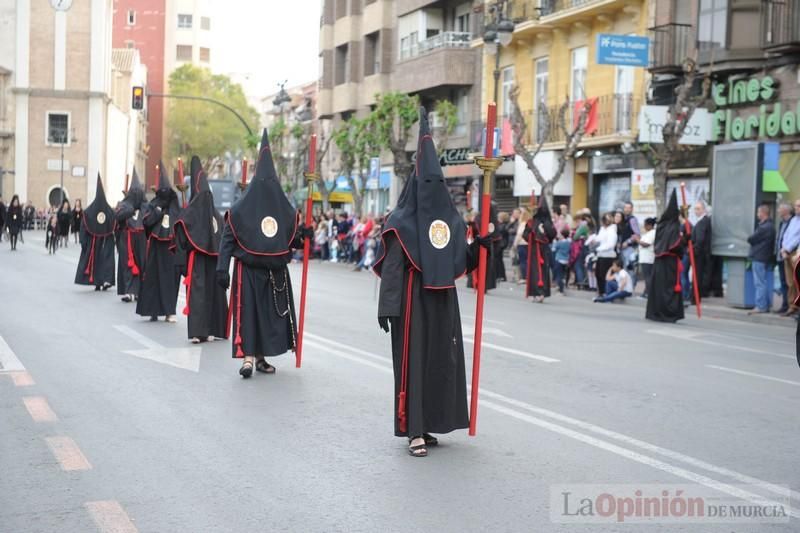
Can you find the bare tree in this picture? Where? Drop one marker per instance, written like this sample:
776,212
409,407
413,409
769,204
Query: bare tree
679,114
572,138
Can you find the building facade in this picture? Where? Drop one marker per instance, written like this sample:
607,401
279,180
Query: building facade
417,47
61,81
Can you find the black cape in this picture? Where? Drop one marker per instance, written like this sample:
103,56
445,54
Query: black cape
158,294
665,301
198,232
14,217
539,232
430,391
131,240
96,264
260,232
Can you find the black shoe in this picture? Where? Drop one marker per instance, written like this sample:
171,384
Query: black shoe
97,289
247,369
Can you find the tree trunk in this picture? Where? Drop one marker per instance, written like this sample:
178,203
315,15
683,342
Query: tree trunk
660,184
547,192
402,166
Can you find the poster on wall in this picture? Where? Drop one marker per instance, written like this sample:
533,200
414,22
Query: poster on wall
614,192
697,189
643,194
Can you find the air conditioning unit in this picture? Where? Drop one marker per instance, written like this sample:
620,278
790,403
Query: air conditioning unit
436,120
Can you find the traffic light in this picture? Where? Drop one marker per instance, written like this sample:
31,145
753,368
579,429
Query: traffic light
138,98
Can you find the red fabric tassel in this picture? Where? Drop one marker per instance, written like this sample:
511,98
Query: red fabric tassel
238,340
401,412
90,263
678,276
131,259
402,418
188,282
539,263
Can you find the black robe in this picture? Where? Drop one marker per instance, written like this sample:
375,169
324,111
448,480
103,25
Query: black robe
96,264
206,302
701,240
131,245
539,256
436,397
14,219
491,263
262,310
158,291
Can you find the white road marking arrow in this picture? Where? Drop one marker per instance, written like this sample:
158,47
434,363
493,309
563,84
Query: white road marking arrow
469,329
187,358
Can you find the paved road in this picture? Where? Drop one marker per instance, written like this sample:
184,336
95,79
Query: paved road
113,423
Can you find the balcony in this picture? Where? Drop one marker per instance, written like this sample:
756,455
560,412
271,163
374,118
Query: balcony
446,39
672,44
613,119
443,60
780,25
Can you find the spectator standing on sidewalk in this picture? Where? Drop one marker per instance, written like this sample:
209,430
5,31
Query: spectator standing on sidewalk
561,249
761,257
790,252
785,216
629,235
521,245
646,254
605,243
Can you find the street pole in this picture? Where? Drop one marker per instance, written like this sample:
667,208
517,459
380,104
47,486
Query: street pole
496,74
61,186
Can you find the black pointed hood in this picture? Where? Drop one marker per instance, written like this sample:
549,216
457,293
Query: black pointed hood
135,194
668,229
426,222
98,218
200,221
195,169
166,199
263,221
543,213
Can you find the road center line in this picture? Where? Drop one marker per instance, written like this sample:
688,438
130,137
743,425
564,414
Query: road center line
763,485
8,360
512,351
754,375
110,517
67,453
39,409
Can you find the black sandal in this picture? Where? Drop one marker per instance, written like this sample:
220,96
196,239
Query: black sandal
430,440
247,369
264,367
420,450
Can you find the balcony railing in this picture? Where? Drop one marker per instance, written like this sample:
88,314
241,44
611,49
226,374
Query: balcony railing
672,44
550,7
615,114
780,24
446,39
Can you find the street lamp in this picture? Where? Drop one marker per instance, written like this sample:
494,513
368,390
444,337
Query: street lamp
282,97
62,140
499,32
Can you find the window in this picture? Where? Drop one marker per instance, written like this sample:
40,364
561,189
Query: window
462,107
408,45
507,77
183,52
462,23
341,65
184,21
372,54
205,54
623,98
712,24
580,57
541,71
57,127
131,17
205,23
130,44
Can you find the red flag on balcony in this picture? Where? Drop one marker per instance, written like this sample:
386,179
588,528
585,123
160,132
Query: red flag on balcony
591,118
506,138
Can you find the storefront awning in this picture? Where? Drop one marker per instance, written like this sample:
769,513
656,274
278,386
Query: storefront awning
336,195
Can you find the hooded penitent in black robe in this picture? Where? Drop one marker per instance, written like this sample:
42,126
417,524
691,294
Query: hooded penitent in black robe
539,232
491,256
701,241
664,301
131,241
96,264
424,250
158,293
198,232
261,229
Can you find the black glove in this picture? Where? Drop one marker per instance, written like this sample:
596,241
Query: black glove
308,232
383,322
485,241
223,279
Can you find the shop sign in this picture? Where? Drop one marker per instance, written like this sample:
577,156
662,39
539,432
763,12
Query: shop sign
652,119
769,120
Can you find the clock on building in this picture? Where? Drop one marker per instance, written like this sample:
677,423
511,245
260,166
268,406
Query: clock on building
61,5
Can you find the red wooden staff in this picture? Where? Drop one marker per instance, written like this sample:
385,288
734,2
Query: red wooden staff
488,165
688,229
311,177
528,265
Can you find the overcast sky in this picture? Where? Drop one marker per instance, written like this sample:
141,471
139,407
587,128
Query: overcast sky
268,41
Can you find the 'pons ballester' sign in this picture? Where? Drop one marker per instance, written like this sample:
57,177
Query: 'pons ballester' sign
737,119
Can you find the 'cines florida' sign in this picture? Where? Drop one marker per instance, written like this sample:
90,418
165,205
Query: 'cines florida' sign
771,119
